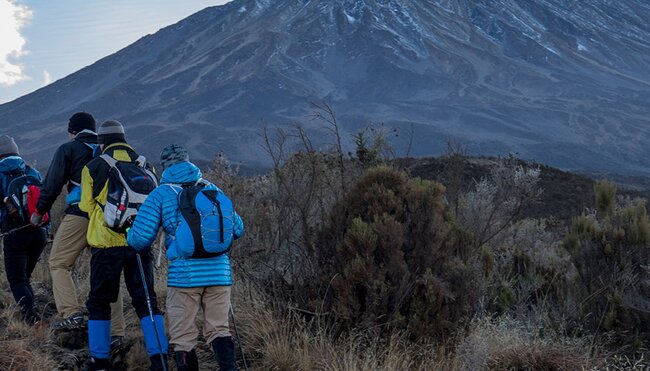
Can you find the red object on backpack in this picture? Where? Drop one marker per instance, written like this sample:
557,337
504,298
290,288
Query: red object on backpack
33,193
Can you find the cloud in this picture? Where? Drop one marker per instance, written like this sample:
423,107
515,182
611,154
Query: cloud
13,17
47,78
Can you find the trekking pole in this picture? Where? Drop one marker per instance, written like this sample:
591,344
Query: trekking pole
153,322
234,325
14,230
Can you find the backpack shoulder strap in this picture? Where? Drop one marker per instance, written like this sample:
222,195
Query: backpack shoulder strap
177,188
109,160
32,175
89,145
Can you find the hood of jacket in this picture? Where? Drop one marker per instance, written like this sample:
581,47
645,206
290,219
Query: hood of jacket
182,173
87,136
12,163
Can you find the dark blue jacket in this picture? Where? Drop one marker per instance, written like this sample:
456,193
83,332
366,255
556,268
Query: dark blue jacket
161,209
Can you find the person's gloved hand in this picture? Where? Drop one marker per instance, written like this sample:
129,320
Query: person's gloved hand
36,220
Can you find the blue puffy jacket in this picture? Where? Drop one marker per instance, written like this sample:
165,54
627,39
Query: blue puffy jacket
161,209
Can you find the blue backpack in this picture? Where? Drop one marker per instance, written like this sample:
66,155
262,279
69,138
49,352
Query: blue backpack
206,227
21,190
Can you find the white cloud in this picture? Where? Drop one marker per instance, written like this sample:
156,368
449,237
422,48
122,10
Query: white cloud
13,17
47,78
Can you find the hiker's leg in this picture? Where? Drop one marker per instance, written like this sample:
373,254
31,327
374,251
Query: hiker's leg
153,331
117,329
37,242
117,315
69,241
35,247
15,251
216,305
182,308
183,305
105,269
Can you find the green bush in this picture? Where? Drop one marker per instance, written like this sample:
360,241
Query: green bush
394,258
611,253
605,197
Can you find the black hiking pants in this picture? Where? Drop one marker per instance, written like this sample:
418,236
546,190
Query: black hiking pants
106,266
22,250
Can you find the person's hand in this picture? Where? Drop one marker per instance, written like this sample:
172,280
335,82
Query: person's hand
36,220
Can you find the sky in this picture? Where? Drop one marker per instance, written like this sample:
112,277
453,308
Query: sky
42,41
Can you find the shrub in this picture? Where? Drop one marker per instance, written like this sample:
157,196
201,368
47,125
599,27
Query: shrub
610,250
393,257
605,197
498,200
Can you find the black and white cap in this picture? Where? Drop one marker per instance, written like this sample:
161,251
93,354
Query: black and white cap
110,127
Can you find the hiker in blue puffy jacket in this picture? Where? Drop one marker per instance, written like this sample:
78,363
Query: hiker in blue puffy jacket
22,243
192,282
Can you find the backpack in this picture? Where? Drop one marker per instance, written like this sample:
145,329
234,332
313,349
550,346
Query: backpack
129,184
206,227
21,191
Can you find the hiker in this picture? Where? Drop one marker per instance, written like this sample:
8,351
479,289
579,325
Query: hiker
70,239
199,272
100,184
22,243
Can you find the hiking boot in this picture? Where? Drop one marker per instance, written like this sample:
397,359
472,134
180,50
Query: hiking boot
117,344
224,352
158,363
74,322
118,352
186,361
98,364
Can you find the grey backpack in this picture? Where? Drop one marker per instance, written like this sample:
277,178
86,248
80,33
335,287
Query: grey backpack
129,184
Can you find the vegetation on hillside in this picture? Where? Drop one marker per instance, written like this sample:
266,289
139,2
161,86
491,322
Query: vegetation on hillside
353,262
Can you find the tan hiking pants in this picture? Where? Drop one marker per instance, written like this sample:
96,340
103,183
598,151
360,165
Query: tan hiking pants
183,307
69,242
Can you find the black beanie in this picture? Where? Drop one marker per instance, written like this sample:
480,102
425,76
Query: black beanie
81,121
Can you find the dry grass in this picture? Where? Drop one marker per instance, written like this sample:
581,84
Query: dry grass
280,339
16,355
506,344
23,347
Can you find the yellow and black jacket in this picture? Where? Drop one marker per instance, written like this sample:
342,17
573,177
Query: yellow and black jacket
94,189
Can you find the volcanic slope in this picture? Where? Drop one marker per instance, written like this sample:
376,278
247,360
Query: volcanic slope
564,82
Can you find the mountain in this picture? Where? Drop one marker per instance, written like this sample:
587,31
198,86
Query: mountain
563,82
